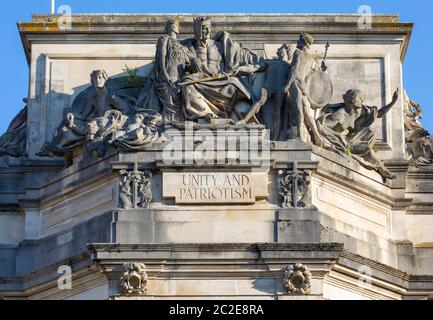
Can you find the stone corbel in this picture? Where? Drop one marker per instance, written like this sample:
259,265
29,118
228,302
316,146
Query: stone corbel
134,279
297,279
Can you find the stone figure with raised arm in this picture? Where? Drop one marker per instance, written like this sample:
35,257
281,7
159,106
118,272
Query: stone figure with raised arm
348,129
300,112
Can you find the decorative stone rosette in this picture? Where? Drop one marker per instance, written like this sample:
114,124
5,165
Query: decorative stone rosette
297,279
134,279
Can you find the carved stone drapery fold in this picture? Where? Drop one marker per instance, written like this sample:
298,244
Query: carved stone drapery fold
293,187
135,188
297,279
134,279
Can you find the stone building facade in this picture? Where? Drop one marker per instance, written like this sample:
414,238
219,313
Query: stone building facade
296,220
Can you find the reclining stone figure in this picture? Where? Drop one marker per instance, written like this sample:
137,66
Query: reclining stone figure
348,129
98,122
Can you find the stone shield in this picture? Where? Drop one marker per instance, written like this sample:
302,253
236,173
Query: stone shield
319,89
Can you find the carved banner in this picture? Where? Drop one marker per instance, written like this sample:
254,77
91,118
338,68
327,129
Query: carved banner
215,187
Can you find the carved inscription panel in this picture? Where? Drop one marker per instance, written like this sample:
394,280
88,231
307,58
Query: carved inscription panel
215,187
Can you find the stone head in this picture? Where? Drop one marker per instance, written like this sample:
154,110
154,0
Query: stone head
284,52
353,98
172,25
99,78
305,40
202,28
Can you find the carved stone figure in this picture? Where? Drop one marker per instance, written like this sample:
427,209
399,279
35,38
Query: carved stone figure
348,129
141,130
419,143
274,114
13,141
135,188
212,90
134,279
293,187
104,100
74,129
301,113
162,94
297,279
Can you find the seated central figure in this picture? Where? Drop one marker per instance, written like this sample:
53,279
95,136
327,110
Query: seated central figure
211,89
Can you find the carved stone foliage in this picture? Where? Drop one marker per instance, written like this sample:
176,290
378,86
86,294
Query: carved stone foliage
293,187
134,279
297,279
135,188
419,143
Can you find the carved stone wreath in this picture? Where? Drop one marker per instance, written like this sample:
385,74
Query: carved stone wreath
134,279
297,279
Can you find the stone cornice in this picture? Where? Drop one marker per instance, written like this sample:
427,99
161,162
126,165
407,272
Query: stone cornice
108,257
245,24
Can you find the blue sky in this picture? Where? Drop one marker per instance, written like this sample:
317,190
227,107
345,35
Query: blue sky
418,66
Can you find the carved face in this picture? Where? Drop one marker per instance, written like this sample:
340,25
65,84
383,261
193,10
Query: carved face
175,28
282,55
99,80
203,30
302,43
353,99
172,27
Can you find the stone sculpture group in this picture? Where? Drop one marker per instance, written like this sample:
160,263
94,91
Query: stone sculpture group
212,79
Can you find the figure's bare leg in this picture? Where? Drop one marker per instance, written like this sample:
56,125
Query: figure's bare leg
295,131
255,107
310,123
364,151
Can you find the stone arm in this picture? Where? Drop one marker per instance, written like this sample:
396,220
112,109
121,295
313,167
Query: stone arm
383,111
249,68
